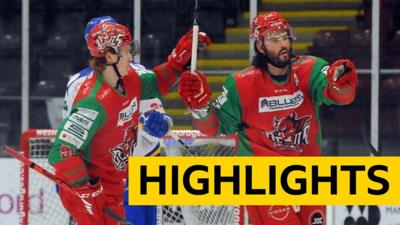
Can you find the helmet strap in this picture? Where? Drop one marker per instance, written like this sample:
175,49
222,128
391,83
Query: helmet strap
118,85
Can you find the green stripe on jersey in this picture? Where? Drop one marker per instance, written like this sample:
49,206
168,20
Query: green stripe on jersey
149,87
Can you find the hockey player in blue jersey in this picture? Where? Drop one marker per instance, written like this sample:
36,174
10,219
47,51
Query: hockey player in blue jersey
148,143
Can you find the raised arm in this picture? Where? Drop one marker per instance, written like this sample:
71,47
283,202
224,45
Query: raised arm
223,116
168,72
333,84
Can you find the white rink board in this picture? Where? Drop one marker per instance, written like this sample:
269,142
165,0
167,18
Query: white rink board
9,190
10,186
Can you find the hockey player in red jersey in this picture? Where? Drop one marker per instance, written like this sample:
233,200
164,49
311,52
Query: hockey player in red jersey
146,144
273,106
94,141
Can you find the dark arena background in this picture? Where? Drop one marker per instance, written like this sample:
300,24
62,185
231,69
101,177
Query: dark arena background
42,46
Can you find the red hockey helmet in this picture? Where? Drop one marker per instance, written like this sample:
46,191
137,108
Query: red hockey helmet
269,23
107,35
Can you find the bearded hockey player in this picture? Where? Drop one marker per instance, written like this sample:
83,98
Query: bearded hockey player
273,106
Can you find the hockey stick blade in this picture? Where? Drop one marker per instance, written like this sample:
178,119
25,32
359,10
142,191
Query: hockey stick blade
185,146
29,163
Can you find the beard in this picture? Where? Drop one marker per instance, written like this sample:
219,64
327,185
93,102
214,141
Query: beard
276,60
260,60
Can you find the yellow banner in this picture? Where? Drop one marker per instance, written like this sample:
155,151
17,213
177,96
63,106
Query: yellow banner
264,180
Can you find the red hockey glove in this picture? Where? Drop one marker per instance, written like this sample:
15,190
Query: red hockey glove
342,73
182,53
343,79
92,200
194,90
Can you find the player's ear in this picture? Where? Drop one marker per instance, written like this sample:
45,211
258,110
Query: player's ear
260,47
110,57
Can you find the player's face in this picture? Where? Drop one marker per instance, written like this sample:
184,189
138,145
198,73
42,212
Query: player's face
278,47
125,58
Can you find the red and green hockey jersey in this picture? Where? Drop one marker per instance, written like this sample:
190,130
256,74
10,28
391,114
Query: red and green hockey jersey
272,118
102,128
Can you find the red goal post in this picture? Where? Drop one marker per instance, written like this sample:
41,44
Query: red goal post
39,202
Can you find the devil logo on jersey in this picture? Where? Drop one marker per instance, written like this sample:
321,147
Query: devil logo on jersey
290,133
122,151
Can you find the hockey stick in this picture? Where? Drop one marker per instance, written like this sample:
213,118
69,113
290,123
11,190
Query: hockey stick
29,163
195,42
338,73
193,64
371,149
195,39
178,139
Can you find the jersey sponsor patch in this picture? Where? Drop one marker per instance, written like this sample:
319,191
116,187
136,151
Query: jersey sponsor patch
316,218
70,138
104,93
125,115
66,152
81,120
89,113
282,102
279,213
76,129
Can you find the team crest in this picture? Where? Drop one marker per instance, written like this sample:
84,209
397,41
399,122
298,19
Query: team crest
290,133
122,151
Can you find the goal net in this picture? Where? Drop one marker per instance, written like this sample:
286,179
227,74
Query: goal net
40,203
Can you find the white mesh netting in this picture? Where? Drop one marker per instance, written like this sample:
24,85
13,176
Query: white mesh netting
46,208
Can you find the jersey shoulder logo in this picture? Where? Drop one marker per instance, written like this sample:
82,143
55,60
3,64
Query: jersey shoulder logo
246,72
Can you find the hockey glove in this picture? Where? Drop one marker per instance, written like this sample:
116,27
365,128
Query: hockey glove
342,73
155,123
343,78
91,198
194,90
182,53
